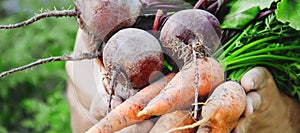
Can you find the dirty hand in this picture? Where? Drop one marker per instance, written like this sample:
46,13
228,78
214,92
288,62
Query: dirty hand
267,110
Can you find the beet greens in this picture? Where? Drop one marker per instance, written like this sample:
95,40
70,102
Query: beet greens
267,43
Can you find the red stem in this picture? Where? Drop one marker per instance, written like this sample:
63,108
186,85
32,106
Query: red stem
157,21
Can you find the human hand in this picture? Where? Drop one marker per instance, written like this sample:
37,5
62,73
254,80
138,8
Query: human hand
87,94
267,110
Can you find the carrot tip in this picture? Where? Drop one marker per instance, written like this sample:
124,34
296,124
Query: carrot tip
141,113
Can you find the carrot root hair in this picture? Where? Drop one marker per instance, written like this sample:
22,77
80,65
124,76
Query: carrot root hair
198,123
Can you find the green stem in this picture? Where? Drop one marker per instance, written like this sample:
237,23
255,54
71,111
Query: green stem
264,50
223,55
218,52
260,58
255,64
248,46
166,64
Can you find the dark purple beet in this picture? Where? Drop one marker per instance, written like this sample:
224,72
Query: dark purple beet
186,27
101,18
136,52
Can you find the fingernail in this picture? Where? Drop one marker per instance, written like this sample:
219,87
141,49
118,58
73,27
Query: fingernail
252,85
249,107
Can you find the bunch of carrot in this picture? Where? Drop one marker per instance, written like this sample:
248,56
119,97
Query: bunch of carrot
173,93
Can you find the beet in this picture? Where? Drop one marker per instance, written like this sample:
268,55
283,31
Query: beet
187,27
136,53
101,18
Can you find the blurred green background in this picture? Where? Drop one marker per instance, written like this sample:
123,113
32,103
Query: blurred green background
34,100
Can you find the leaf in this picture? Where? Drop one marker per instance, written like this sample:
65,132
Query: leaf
288,11
239,20
244,11
263,4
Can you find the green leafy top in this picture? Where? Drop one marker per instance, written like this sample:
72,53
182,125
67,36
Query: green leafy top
242,12
288,11
268,43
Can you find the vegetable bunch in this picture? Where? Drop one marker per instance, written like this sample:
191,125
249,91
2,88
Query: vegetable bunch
255,34
265,41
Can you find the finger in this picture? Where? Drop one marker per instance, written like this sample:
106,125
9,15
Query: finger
254,101
115,101
100,77
241,126
142,127
254,79
98,106
80,120
99,102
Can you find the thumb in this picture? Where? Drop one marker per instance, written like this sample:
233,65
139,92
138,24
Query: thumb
255,79
254,101
98,106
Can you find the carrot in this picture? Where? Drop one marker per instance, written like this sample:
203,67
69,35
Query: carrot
179,95
222,110
126,113
174,119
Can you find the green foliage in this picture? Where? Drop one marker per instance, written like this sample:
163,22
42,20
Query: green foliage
34,100
243,11
240,14
46,118
272,42
267,43
288,12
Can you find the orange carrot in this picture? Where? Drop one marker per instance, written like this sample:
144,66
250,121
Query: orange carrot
180,92
222,110
126,113
174,119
